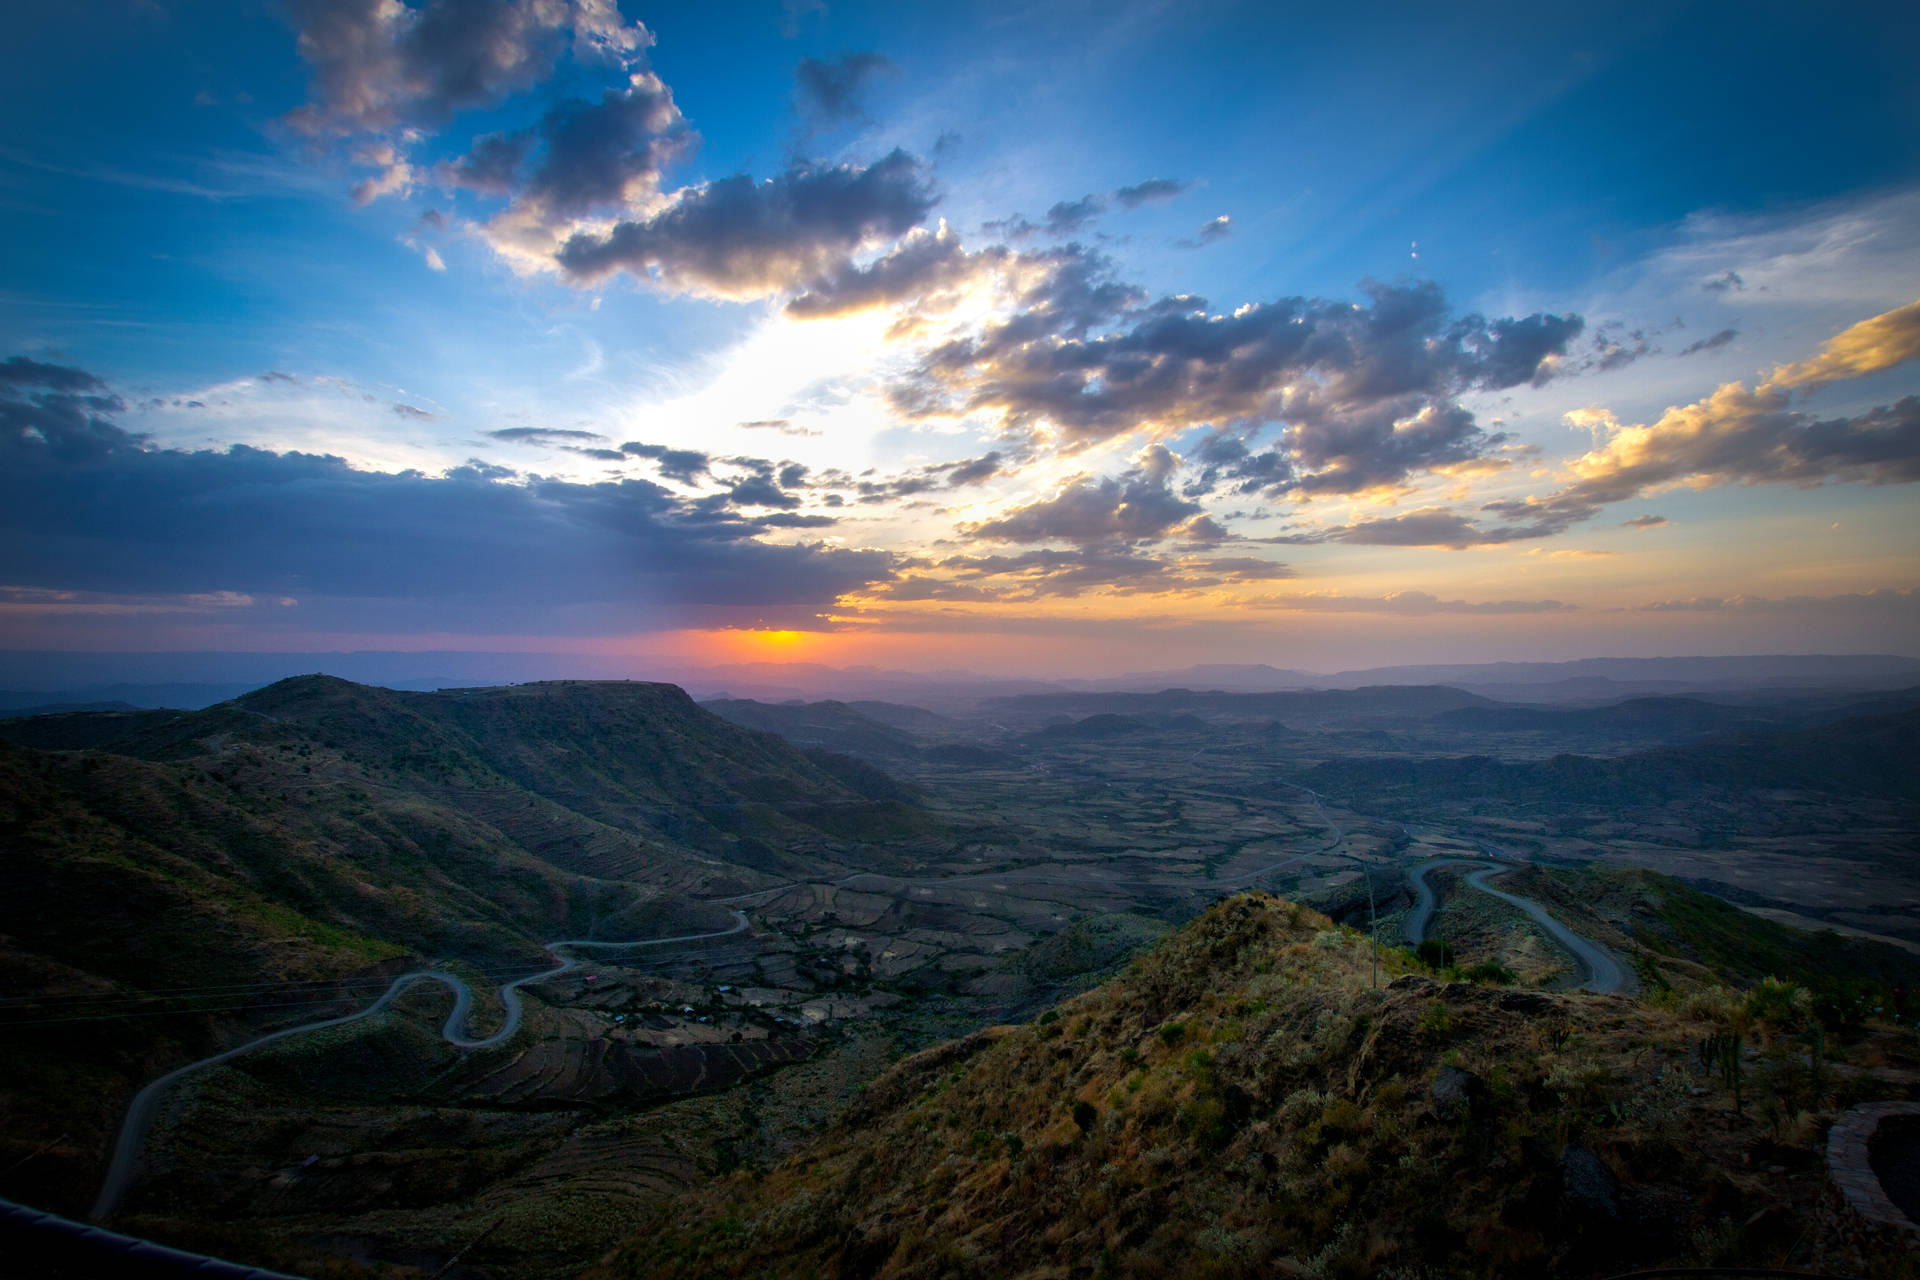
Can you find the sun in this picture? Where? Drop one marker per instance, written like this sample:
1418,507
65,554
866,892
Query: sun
767,644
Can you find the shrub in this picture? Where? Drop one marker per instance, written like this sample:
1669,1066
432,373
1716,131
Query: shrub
1437,1022
1085,1114
1491,971
1172,1033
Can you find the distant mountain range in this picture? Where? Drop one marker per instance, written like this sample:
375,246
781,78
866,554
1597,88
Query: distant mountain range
31,681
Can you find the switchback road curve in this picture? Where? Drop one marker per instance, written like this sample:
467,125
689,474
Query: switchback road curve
1603,971
133,1130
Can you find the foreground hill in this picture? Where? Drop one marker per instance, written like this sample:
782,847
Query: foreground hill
165,877
1243,1102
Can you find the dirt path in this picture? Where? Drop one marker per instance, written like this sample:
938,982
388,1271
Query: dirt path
125,1165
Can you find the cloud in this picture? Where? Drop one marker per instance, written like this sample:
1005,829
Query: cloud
1366,394
1137,507
923,266
684,465
737,238
1711,343
561,436
1072,572
1902,601
380,64
1410,604
1644,522
1152,191
1737,435
1211,232
1068,216
828,93
412,412
1872,346
1426,527
1225,460
18,372
785,426
975,470
86,506
1611,353
583,155
1725,282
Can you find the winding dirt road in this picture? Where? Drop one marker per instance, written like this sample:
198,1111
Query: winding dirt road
140,1113
1601,969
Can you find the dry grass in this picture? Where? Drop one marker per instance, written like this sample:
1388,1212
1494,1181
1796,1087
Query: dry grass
1242,1102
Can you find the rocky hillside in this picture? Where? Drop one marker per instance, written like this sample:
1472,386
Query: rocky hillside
1243,1101
173,882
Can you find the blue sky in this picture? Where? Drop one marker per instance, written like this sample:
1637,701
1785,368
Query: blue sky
807,284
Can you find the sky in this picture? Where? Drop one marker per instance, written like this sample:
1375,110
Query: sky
1029,339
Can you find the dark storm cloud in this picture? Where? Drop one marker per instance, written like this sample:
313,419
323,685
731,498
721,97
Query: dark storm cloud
1367,393
1153,190
829,93
1712,343
87,506
740,238
543,435
377,65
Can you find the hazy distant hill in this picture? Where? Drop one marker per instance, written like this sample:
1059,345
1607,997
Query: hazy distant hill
1382,706
1227,677
1108,725
1872,756
1621,677
836,726
1647,718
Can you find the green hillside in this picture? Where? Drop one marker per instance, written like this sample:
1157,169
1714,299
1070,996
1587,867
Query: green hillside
326,833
